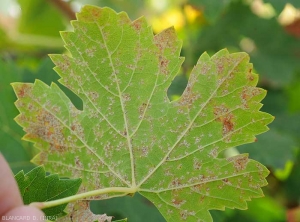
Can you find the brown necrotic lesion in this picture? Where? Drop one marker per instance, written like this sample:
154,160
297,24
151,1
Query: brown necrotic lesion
223,115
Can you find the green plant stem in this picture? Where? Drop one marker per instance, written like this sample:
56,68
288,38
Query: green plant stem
37,40
42,205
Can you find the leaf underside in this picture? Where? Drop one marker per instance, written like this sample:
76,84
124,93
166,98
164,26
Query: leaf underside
129,134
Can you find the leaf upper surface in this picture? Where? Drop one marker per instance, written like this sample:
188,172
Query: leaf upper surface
35,186
129,134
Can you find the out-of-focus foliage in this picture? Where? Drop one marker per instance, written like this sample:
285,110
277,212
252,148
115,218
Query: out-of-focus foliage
16,151
32,21
211,9
128,206
239,25
279,4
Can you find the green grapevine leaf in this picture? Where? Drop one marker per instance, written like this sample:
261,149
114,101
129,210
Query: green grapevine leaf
35,186
130,135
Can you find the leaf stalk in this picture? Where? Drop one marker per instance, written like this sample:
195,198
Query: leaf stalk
53,203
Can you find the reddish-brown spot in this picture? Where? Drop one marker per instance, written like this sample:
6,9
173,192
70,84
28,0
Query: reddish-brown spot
225,180
220,67
177,202
244,95
248,93
228,125
137,25
55,144
23,90
164,66
225,117
239,162
176,182
250,76
95,12
21,93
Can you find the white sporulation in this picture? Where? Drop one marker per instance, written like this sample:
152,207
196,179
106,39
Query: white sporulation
91,51
214,153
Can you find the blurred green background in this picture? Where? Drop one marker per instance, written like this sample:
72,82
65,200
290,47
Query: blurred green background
268,30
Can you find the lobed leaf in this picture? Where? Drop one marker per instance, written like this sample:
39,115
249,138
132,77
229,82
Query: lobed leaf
35,186
129,134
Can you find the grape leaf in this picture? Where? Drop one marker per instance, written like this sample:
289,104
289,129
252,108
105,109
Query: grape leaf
130,135
35,186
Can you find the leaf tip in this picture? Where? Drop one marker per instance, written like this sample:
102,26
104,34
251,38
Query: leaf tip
22,89
86,12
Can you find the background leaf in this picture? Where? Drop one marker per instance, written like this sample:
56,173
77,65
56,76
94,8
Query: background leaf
275,63
33,22
128,206
272,142
279,4
35,186
10,133
212,9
